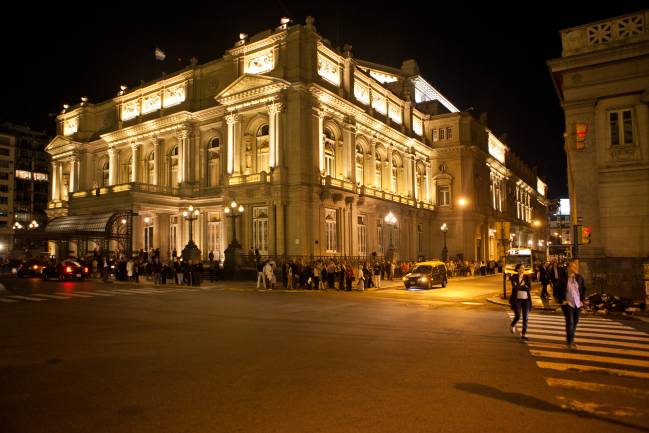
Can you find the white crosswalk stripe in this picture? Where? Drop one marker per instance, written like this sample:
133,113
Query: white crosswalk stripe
9,298
604,346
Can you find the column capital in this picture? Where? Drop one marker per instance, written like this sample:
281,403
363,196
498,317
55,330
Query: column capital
111,150
135,145
231,118
274,107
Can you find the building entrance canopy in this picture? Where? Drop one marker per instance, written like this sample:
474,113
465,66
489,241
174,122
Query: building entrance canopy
101,228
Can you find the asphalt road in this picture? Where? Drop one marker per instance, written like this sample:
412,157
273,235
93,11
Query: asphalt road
91,357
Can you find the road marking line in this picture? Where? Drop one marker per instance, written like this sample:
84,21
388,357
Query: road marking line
587,328
560,366
74,295
8,301
580,340
607,337
600,409
587,348
91,293
561,319
26,298
142,291
562,322
50,296
105,292
592,358
123,292
593,386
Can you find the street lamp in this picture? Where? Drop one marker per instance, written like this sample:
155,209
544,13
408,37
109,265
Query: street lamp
390,220
444,229
233,253
191,251
33,224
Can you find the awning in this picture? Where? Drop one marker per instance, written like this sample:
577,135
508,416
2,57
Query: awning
97,224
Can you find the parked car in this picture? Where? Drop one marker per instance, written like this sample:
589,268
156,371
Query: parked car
30,268
426,275
65,270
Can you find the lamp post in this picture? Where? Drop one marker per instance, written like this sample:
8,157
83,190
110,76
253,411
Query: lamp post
233,253
391,221
191,252
444,229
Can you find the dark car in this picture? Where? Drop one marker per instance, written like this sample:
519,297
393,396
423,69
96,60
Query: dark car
66,270
30,268
426,275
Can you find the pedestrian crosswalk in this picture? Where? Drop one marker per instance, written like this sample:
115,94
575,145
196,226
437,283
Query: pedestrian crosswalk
611,357
8,297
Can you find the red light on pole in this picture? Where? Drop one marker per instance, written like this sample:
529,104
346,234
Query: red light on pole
581,129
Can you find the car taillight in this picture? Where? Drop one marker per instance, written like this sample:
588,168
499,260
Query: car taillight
68,269
85,269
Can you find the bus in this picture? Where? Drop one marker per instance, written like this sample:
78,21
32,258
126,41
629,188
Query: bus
531,259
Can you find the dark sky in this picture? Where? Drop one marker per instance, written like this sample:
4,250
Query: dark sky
488,58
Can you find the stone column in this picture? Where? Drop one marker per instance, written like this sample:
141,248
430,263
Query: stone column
112,166
56,188
274,110
232,154
409,173
349,151
74,176
370,176
156,161
135,146
427,183
321,116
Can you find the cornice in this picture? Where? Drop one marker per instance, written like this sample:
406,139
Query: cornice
152,127
254,46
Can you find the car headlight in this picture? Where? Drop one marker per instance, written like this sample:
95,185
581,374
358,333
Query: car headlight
405,278
424,279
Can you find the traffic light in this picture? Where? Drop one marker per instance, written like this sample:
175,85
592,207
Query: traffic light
581,129
585,235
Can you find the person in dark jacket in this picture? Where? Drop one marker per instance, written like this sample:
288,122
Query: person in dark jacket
521,298
545,280
570,292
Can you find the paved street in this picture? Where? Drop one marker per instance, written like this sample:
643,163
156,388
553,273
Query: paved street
80,357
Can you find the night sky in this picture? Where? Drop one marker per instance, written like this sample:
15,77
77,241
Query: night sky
486,58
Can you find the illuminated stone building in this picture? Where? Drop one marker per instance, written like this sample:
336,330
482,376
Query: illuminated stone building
602,79
317,145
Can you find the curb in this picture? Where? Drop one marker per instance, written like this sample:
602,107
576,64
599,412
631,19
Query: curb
500,301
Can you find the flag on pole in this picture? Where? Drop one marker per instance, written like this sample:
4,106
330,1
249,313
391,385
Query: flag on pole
159,54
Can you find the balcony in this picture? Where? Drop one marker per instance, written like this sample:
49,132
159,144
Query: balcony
135,187
262,177
368,191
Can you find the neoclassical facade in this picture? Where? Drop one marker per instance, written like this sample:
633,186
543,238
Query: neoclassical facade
316,145
602,80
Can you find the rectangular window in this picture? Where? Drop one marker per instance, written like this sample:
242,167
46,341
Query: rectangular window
362,236
331,234
5,164
420,238
4,188
441,133
435,136
260,229
621,127
173,233
214,238
443,195
4,175
379,237
148,238
4,200
4,151
448,133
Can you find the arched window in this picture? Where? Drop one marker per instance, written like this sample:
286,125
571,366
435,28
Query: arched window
394,179
129,169
150,168
263,149
378,171
421,182
360,168
330,153
105,174
214,155
173,167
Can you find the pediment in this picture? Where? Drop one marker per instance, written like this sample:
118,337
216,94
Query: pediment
58,142
248,84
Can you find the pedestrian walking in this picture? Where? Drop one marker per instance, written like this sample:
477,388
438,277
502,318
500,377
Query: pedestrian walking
520,299
544,277
570,292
